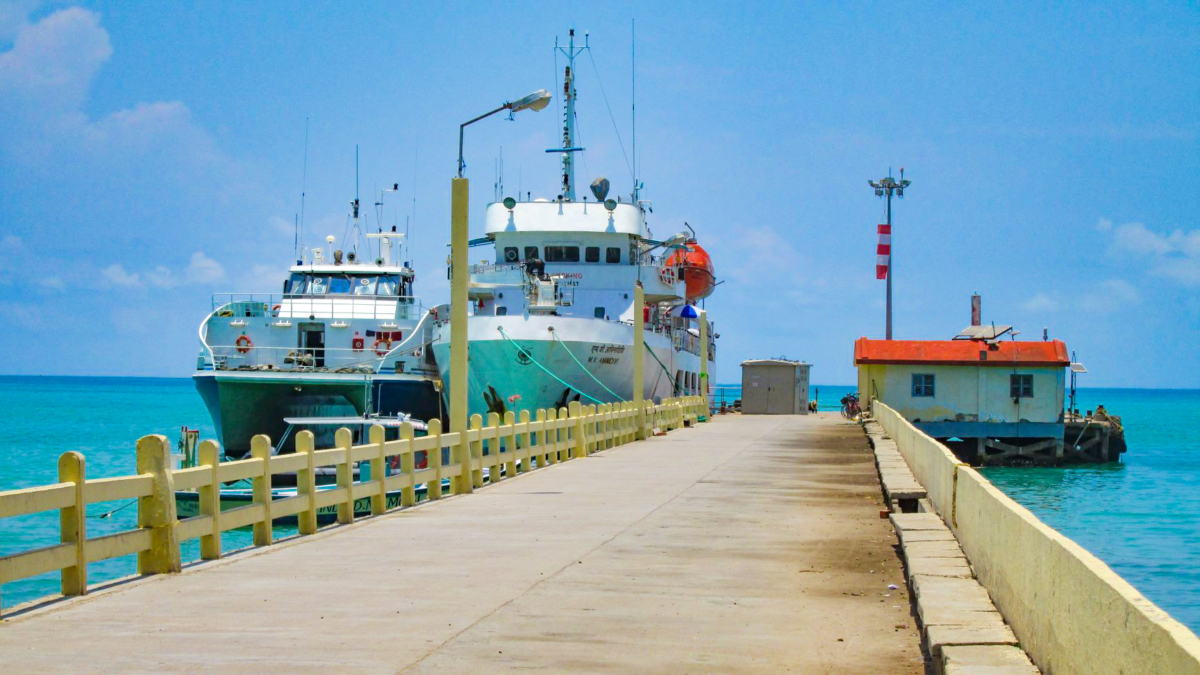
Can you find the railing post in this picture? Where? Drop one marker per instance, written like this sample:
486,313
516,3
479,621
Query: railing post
156,512
526,440
264,532
209,454
408,462
377,437
72,520
550,437
343,439
306,483
564,447
462,457
538,442
591,429
477,451
510,443
433,459
578,444
493,447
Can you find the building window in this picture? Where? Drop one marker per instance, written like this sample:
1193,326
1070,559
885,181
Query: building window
922,385
510,254
562,254
1020,386
612,255
592,254
530,252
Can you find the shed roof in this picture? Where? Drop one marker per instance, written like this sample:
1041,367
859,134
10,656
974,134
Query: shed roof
772,362
961,353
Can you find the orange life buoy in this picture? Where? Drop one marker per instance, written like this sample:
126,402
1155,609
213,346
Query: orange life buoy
275,309
387,346
244,344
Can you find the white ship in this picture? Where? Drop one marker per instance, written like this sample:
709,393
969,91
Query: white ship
553,319
345,338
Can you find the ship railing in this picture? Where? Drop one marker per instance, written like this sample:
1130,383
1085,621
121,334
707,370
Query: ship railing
258,305
503,447
305,359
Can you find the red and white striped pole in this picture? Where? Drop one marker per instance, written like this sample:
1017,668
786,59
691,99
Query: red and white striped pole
885,266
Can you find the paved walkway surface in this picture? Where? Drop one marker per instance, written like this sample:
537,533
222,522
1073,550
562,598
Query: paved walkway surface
747,544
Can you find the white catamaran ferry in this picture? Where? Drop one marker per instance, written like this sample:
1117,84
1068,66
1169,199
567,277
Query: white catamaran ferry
345,338
553,318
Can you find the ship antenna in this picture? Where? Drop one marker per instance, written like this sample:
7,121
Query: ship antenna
303,191
355,204
633,101
568,144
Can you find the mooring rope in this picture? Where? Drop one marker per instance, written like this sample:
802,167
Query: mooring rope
546,370
582,367
674,384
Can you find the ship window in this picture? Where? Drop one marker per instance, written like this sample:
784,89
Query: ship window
562,254
511,254
922,385
1020,386
388,285
363,285
501,310
297,283
339,284
600,313
592,254
318,285
613,255
531,252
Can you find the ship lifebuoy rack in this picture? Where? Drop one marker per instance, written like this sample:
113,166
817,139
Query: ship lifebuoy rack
244,344
666,274
387,346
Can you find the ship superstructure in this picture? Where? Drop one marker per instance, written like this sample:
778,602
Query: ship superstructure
553,318
346,336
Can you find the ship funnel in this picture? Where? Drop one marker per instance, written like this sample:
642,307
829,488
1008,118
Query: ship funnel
600,188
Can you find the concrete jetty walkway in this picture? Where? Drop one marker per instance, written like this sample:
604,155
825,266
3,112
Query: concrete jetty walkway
746,544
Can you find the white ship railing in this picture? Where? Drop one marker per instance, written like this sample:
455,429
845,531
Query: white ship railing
252,305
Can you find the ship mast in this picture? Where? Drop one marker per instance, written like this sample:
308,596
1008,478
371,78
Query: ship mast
568,143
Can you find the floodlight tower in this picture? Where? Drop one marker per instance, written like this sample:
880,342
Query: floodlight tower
885,187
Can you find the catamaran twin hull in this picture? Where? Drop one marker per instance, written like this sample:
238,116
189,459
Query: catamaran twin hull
243,404
531,362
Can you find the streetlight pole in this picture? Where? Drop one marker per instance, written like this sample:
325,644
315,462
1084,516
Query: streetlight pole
884,188
460,275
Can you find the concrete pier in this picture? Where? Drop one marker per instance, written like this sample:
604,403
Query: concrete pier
746,544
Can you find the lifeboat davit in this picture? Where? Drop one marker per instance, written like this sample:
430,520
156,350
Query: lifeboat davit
696,267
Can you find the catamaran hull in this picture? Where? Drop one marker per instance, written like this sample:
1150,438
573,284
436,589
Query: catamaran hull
589,360
243,404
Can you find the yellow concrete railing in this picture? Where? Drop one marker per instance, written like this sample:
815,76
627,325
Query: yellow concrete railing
1071,612
516,444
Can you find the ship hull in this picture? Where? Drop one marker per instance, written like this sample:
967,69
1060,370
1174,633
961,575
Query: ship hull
528,366
243,404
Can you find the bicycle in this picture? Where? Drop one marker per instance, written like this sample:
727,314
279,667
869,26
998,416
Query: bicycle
850,406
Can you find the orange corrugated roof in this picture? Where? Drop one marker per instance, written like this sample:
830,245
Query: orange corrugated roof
961,352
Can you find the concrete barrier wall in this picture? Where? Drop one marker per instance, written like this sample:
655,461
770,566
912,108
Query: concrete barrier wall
1071,612
931,463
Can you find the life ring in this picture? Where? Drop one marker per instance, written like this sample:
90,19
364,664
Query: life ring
387,346
244,344
666,274
275,309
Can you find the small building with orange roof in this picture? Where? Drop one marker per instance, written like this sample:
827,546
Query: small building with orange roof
982,386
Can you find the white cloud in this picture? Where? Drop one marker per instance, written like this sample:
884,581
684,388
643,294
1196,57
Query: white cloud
1175,255
117,276
51,64
161,277
1040,303
204,269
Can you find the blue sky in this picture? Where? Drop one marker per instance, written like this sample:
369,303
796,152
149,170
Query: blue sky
151,154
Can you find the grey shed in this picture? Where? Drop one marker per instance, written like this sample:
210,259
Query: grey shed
774,387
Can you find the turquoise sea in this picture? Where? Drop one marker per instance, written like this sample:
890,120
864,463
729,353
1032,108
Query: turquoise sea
1142,517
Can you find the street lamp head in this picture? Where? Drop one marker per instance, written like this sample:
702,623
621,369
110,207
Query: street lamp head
536,101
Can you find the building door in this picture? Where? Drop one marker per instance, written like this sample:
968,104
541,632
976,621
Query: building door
312,342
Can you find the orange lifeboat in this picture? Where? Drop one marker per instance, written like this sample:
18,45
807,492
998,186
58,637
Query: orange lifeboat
696,267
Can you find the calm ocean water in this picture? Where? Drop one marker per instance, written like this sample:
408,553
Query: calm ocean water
1142,517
